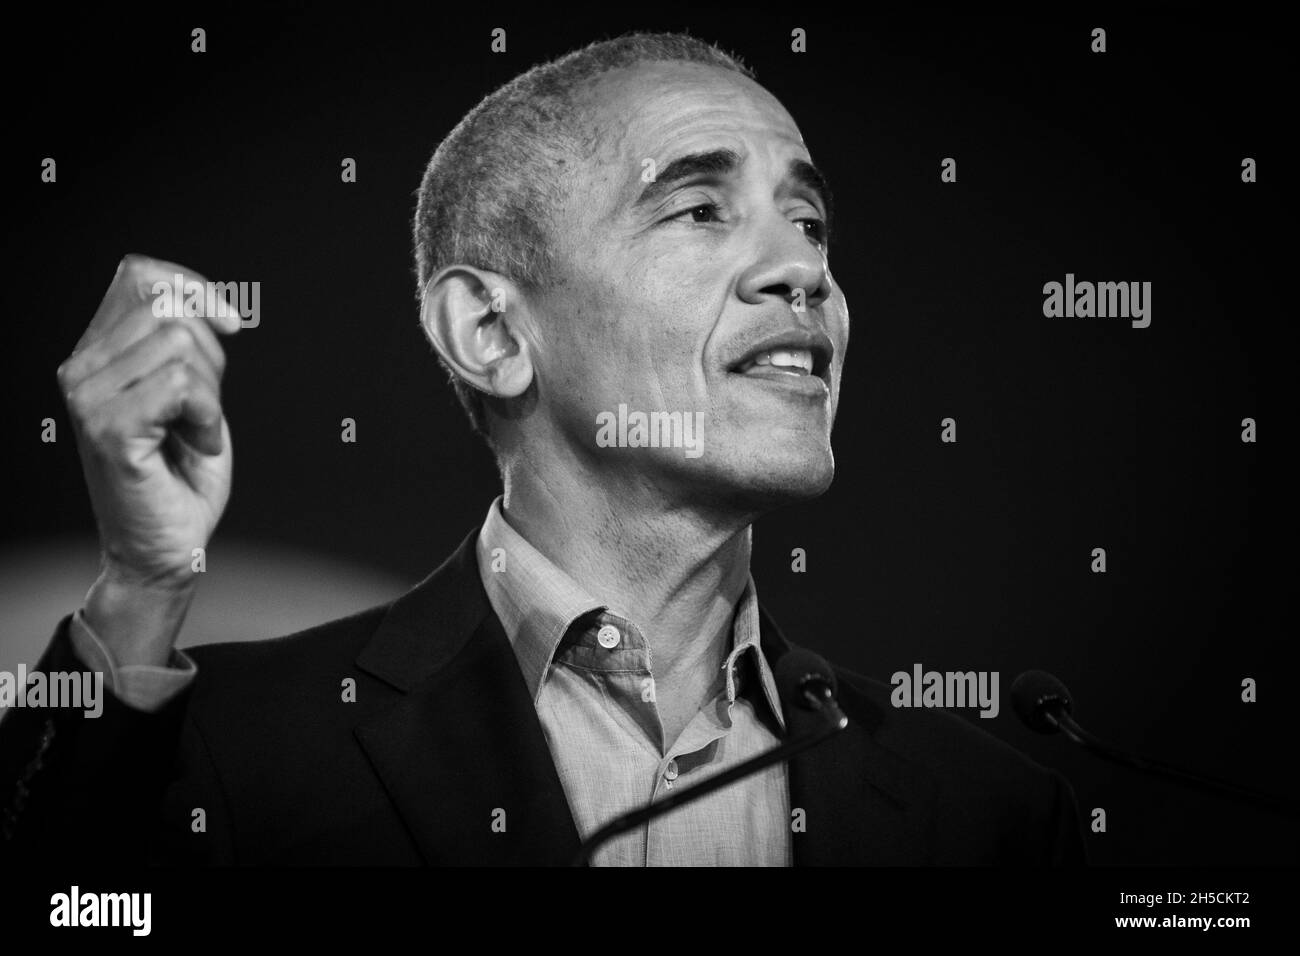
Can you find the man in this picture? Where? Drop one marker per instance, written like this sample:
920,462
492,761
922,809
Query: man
622,262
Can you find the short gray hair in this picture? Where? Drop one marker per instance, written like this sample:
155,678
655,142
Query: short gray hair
487,193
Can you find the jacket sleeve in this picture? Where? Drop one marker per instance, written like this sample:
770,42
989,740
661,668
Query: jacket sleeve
117,787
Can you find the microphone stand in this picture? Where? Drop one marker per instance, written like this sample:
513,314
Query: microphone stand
820,699
1055,712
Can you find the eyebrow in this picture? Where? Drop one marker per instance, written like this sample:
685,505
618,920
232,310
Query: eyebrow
721,162
715,162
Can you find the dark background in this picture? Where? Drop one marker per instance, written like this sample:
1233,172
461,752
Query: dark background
1073,433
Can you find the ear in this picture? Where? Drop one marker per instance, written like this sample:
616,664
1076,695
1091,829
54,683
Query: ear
475,319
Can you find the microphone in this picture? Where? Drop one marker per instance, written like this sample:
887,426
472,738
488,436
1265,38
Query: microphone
806,687
1044,704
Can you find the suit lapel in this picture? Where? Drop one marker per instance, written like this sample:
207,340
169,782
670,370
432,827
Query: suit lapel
462,753
463,756
862,803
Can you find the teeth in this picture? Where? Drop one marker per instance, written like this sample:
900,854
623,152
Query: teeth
797,358
784,359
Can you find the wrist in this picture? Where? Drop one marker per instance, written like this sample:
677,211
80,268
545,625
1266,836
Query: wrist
138,622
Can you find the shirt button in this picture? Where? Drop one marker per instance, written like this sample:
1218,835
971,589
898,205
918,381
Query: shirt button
671,772
608,636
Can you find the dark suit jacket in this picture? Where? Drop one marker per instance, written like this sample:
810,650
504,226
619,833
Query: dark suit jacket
442,735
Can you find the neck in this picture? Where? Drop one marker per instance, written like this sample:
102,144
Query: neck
676,572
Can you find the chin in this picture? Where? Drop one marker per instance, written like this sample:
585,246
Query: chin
758,483
802,482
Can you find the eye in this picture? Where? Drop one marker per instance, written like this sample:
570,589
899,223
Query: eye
700,212
814,229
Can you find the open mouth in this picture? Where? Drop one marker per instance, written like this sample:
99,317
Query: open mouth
793,356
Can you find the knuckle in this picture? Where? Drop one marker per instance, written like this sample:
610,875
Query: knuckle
128,272
179,376
99,431
76,402
177,335
133,264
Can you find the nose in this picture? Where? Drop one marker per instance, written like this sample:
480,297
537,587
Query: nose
784,261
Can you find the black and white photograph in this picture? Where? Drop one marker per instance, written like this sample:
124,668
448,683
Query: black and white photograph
638,436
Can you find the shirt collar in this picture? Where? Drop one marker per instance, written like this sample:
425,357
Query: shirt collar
537,603
745,642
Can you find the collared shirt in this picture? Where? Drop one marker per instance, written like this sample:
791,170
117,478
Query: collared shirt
591,677
143,686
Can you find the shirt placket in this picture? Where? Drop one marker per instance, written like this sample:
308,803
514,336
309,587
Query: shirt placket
682,763
615,647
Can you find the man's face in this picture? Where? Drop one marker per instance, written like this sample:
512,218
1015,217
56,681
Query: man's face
679,294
